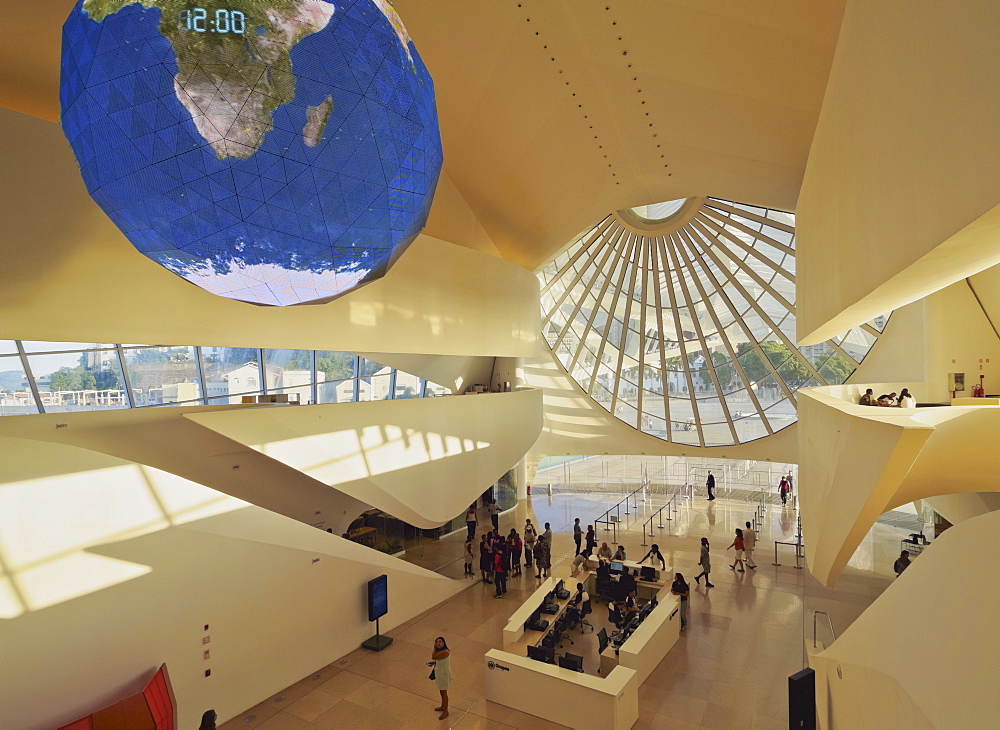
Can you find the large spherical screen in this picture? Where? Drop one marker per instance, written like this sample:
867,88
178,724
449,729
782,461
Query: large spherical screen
271,151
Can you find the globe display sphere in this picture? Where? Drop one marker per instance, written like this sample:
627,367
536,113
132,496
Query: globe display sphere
271,151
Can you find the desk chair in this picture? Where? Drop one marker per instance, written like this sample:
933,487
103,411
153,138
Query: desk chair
615,615
603,586
573,617
554,637
562,629
587,610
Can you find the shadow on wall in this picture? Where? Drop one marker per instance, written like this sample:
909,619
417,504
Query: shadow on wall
423,461
124,565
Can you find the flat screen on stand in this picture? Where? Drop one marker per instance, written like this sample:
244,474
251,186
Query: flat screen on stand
378,597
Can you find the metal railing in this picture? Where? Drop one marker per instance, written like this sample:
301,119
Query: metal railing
760,511
611,521
684,492
829,620
799,554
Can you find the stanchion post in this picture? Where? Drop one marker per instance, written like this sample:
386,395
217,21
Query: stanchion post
775,555
660,524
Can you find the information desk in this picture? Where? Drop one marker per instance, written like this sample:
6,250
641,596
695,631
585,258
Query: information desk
649,643
645,590
516,638
573,698
561,695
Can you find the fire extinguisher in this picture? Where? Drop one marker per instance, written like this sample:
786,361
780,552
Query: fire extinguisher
529,490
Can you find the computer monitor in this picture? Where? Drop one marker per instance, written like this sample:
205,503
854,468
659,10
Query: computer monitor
535,617
548,654
617,566
602,640
648,572
538,653
559,587
571,661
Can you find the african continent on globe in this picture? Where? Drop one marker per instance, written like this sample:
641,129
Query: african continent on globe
271,151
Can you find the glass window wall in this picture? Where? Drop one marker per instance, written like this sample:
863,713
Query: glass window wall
75,376
709,294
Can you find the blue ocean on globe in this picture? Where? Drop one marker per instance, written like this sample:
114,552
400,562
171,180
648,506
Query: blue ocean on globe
271,151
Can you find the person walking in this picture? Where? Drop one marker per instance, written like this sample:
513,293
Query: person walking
485,558
577,535
530,535
494,510
441,673
591,539
705,561
749,544
680,588
543,557
791,481
783,490
516,545
469,555
471,522
710,483
738,544
501,566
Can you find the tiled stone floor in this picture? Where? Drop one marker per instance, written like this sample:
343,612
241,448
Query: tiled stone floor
729,671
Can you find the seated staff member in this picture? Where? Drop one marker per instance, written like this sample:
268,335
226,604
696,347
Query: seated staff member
655,553
580,597
624,585
631,606
604,552
620,553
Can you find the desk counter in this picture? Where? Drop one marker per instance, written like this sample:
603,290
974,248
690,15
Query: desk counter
561,695
516,638
648,644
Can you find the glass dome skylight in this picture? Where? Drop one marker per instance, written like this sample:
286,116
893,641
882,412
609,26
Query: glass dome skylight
656,212
686,331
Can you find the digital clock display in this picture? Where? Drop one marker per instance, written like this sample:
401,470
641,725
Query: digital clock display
221,21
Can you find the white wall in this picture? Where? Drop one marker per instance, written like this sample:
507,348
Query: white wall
924,654
163,438
110,568
901,187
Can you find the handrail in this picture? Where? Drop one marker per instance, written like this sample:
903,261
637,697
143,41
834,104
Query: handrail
617,508
671,503
829,620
